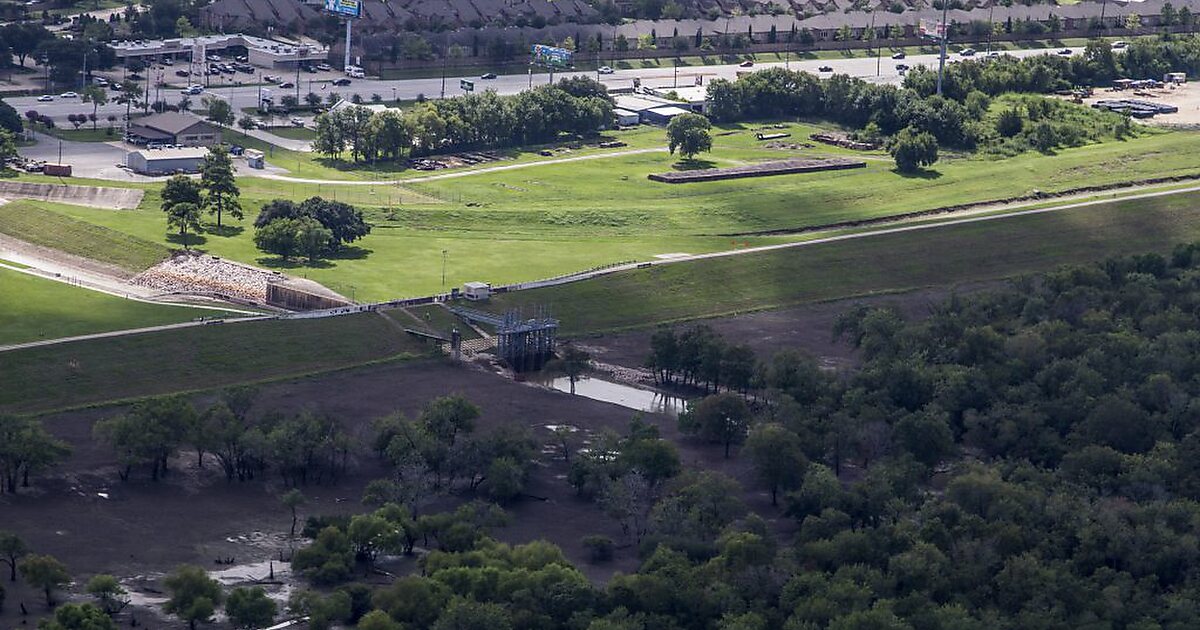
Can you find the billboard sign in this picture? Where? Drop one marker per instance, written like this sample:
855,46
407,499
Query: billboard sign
348,8
467,85
543,55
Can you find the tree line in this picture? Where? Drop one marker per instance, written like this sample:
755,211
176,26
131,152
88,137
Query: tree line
575,106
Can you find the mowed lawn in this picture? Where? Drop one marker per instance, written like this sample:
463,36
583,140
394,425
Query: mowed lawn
53,377
985,250
548,219
37,308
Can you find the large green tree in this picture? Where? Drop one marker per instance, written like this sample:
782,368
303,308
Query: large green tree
688,134
220,190
720,418
44,573
194,596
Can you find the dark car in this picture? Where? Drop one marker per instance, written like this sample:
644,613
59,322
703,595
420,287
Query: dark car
287,85
902,67
341,82
826,68
746,64
899,55
182,73
488,76
1066,52
236,150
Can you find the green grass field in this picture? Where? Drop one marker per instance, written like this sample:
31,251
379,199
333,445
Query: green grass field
39,223
54,377
551,217
986,250
213,356
48,309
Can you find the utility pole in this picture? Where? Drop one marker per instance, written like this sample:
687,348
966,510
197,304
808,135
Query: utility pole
991,27
878,59
443,265
944,35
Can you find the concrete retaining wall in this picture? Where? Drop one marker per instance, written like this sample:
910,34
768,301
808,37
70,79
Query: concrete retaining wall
93,196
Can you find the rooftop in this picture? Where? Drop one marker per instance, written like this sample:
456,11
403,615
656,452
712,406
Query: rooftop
168,154
167,122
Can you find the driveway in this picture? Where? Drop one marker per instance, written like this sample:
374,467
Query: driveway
96,160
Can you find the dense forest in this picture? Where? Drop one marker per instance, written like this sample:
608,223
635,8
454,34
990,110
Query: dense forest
1025,458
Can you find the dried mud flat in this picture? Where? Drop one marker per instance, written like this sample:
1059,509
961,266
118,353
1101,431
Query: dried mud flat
140,529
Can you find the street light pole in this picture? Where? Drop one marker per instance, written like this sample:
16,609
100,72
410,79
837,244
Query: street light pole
942,57
443,267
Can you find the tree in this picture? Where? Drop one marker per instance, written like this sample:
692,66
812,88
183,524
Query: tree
180,189
110,595
44,573
148,433
184,217
573,362
279,237
246,123
689,134
465,614
131,91
1133,22
250,608
719,418
97,96
78,617
778,458
12,549
913,150
1009,123
293,499
378,620
219,110
194,595
25,446
216,178
312,239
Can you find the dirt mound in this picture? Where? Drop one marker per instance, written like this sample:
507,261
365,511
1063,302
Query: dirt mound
93,196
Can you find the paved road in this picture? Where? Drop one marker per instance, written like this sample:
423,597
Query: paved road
510,84
451,175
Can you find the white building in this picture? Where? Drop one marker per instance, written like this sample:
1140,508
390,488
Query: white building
166,161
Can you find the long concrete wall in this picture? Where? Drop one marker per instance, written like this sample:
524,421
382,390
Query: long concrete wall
93,196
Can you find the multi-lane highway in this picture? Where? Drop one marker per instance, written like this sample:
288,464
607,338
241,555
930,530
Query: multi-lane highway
882,70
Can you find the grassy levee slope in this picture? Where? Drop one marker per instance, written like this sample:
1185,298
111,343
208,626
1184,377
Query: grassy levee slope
34,222
999,248
37,308
53,377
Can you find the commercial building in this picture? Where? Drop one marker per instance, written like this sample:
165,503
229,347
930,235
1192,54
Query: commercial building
650,109
173,128
691,97
626,118
265,53
166,161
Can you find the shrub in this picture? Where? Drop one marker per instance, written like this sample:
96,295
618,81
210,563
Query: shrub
599,547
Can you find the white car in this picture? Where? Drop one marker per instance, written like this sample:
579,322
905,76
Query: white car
1117,45
604,70
45,98
68,95
324,67
297,122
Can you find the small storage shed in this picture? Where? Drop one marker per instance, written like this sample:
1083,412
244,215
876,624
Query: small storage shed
477,291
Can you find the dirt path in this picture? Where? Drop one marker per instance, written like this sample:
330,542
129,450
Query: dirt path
430,178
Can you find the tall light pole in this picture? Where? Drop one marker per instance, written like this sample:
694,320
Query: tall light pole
991,27
443,270
944,35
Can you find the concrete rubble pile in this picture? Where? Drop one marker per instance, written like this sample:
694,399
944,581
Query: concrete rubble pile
206,275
